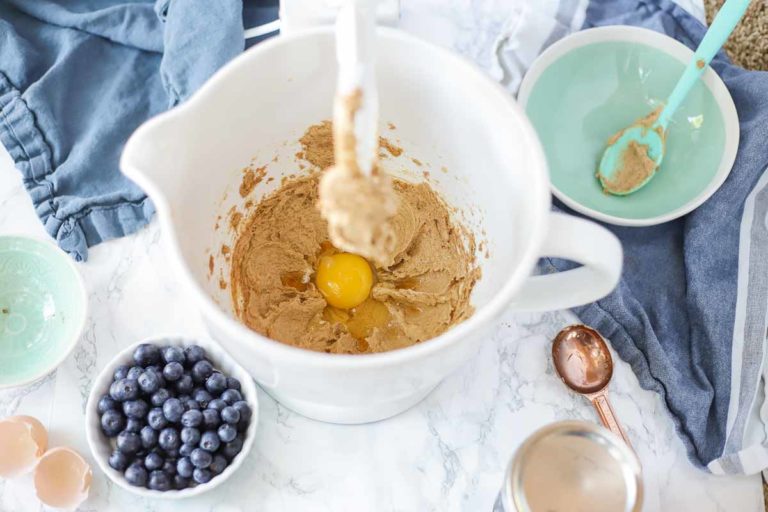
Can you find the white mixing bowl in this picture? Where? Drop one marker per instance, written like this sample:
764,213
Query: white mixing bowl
447,114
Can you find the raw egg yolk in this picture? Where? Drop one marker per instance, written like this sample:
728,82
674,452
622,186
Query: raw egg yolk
344,279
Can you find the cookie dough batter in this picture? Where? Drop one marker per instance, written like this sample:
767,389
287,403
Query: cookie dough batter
422,292
359,207
636,166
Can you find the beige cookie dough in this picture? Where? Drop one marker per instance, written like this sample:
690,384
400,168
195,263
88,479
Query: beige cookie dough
418,295
358,207
635,166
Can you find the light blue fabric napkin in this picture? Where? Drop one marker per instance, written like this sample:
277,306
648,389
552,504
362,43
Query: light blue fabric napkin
690,312
77,77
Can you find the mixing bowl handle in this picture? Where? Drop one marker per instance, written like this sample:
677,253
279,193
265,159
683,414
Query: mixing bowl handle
582,241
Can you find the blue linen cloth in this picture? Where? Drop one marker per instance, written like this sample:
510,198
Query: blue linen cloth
689,314
77,77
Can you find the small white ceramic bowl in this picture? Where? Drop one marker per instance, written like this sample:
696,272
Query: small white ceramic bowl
592,83
101,446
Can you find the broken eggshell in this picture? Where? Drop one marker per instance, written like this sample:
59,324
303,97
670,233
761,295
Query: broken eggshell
62,478
23,441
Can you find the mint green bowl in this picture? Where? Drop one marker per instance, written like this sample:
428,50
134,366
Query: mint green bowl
43,307
589,85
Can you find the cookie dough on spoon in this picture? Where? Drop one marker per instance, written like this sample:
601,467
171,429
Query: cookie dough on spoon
358,206
634,154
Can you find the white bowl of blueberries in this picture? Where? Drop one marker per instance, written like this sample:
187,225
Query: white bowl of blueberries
171,417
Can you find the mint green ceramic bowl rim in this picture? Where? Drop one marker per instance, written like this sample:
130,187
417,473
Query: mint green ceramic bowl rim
55,252
673,48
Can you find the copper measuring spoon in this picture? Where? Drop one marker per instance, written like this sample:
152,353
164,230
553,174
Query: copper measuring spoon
584,364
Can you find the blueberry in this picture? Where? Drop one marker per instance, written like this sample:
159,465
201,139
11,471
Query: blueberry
184,398
146,354
169,468
156,418
135,408
118,460
148,437
210,419
158,371
159,481
134,372
201,458
230,415
216,382
159,397
173,371
245,412
231,396
186,449
210,441
106,403
233,448
168,439
112,422
148,381
227,433
172,453
218,464
179,482
133,425
172,409
128,442
233,383
185,384
201,476
192,418
190,435
174,355
124,389
194,353
136,475
202,397
192,404
201,371
153,461
121,372
217,404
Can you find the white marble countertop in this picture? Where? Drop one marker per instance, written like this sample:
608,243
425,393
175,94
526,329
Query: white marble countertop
446,454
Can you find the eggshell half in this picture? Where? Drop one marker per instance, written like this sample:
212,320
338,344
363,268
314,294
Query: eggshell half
62,478
23,440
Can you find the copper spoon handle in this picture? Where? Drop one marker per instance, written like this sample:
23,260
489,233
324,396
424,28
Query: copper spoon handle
607,416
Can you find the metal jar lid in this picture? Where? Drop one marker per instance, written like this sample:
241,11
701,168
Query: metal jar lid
570,466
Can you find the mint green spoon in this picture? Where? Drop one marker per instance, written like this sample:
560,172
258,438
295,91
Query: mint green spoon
634,154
